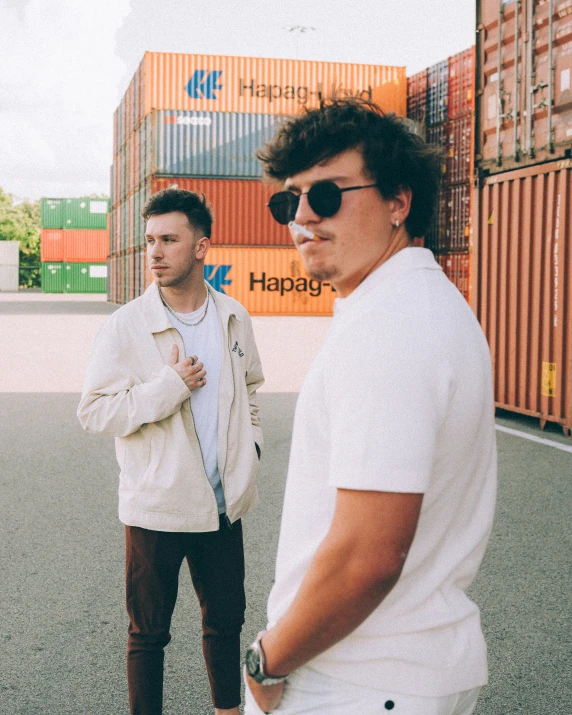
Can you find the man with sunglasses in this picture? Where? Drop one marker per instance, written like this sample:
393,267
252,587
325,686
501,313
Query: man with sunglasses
392,477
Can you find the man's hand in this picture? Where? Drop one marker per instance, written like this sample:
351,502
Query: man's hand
267,697
191,372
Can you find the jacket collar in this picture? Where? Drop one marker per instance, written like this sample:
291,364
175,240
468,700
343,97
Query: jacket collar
156,317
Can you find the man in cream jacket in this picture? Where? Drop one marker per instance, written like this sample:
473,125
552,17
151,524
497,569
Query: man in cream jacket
173,376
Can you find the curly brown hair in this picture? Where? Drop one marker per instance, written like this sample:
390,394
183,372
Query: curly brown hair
394,155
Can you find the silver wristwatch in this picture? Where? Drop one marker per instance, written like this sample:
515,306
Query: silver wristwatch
254,661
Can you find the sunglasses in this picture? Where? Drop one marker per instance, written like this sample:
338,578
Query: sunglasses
324,198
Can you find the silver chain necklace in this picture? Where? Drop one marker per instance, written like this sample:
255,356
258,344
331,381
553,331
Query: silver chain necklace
185,322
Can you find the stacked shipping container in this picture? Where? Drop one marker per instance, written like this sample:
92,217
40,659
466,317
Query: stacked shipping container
523,220
195,121
440,100
9,265
74,245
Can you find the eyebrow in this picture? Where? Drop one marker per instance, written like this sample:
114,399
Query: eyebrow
161,235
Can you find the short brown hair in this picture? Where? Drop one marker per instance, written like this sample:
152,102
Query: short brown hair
194,205
394,155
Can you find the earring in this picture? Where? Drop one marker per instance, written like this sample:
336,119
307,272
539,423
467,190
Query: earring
396,223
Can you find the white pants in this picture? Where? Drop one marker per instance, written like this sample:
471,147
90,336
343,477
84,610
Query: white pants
307,691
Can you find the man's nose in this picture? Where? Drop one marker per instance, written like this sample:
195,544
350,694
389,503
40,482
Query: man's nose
304,213
155,249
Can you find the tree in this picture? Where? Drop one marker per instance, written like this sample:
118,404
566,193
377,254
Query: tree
21,222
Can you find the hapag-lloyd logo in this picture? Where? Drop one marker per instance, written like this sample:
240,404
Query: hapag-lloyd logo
204,83
216,276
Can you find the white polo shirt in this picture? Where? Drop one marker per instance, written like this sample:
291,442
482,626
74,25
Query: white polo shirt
399,399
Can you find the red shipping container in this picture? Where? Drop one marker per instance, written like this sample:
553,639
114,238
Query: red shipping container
85,245
51,245
457,268
524,274
524,83
417,97
458,231
461,83
460,150
241,215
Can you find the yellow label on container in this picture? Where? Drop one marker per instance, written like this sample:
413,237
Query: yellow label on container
549,379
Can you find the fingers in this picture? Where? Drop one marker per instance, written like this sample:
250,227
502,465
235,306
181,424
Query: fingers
174,359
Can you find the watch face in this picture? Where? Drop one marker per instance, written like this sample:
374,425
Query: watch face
252,661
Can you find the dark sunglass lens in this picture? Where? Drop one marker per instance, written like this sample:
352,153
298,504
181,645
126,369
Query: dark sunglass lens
325,198
283,206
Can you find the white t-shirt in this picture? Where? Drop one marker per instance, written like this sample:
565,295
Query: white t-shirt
204,340
399,399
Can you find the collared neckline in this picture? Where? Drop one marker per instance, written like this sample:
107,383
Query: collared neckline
410,258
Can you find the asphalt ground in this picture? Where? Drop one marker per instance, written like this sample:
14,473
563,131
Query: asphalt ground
62,618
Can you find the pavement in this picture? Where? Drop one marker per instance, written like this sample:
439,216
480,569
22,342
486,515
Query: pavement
62,618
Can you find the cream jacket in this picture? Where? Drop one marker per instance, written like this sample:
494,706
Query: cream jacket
131,393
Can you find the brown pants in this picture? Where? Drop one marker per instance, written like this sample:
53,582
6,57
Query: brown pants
153,562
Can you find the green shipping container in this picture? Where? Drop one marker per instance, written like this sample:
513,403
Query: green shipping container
85,277
52,213
74,277
86,213
53,278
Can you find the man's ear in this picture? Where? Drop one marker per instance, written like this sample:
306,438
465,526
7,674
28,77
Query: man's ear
202,248
401,205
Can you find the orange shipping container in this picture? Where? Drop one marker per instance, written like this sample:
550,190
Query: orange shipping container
51,245
267,281
85,245
219,83
524,274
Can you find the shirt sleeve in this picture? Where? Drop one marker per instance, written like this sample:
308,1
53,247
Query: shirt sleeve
387,396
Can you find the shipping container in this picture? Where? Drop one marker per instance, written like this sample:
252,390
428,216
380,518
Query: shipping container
74,277
461,84
457,268
74,245
458,232
85,245
53,277
417,98
52,213
9,253
9,278
216,83
241,215
460,150
51,244
86,213
524,300
437,93
524,84
85,277
207,144
436,238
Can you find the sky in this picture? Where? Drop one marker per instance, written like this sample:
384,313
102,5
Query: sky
64,64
